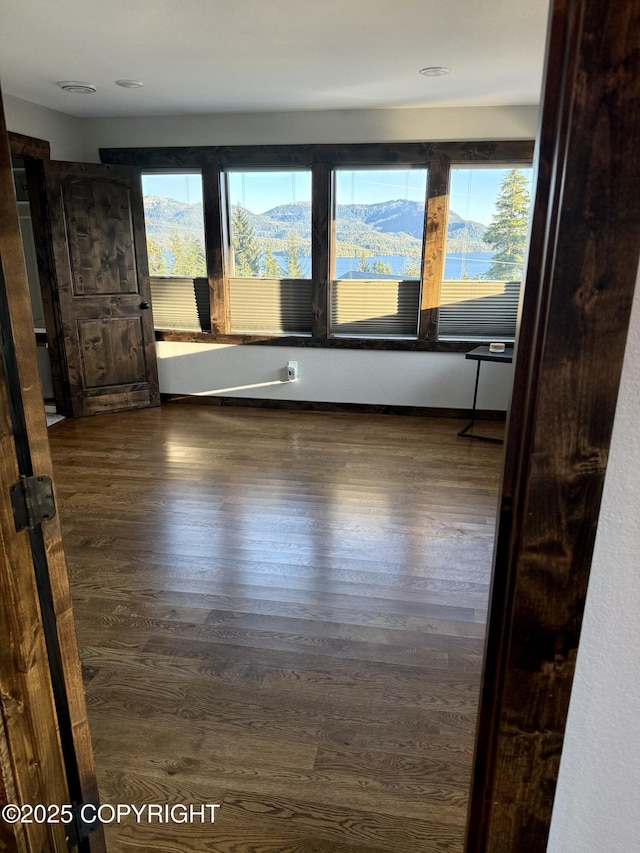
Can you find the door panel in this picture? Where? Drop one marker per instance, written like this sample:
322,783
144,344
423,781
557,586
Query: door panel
102,284
110,351
100,232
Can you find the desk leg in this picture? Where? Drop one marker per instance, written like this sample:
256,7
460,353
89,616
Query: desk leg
464,432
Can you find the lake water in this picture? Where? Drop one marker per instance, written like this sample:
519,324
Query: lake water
473,264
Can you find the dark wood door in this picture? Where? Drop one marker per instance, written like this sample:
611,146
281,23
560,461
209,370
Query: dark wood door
101,286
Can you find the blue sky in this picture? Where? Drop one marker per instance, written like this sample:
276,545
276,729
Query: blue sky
178,186
260,191
368,186
473,191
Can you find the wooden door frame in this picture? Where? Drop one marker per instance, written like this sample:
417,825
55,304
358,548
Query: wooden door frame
32,767
28,147
34,152
583,261
49,230
46,541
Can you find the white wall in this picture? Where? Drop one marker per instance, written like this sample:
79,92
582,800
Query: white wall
65,133
597,805
400,125
441,380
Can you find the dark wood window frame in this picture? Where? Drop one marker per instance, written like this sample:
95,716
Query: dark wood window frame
437,157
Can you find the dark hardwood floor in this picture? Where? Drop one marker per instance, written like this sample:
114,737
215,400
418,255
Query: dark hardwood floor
282,613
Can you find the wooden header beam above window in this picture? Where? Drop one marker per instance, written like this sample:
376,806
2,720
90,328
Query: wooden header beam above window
351,154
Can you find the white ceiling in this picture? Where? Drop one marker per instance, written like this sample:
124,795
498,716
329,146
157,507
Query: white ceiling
203,56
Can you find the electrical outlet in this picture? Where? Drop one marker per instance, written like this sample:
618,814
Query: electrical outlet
292,371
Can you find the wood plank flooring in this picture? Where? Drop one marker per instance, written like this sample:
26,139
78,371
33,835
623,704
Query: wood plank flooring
282,613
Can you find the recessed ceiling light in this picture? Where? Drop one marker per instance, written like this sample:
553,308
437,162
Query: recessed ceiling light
435,71
76,87
129,84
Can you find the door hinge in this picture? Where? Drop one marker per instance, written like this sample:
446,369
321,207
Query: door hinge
85,821
32,501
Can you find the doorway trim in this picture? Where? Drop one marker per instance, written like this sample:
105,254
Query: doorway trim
583,260
31,430
28,146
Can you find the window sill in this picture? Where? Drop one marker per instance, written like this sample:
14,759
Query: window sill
390,344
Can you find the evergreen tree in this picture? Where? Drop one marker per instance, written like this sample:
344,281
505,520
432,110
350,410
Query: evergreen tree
176,249
363,261
381,267
270,263
294,263
188,255
197,260
157,259
411,267
508,230
247,254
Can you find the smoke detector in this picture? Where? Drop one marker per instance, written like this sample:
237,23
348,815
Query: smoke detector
77,87
435,71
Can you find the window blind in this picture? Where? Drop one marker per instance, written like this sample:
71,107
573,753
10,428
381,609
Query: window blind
478,310
280,306
374,308
173,301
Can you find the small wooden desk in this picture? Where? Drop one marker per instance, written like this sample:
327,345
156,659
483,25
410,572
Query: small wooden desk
481,354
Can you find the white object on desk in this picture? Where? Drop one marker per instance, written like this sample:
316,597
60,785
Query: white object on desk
496,347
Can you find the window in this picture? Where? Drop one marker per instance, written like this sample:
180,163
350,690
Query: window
269,251
174,225
487,232
404,246
377,252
